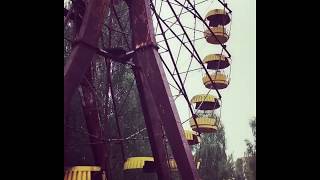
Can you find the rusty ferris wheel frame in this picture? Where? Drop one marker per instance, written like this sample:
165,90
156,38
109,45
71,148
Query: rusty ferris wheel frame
155,95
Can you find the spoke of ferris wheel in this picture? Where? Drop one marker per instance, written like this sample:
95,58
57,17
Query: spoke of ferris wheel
162,47
183,91
197,57
199,105
180,47
173,86
179,15
185,77
185,11
189,71
175,23
159,13
196,14
186,42
225,5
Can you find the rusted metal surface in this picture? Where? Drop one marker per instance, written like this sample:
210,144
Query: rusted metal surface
153,125
91,114
88,31
81,54
150,68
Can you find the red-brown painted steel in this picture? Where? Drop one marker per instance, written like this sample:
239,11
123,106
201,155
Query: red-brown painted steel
149,66
76,67
91,114
149,69
81,54
153,125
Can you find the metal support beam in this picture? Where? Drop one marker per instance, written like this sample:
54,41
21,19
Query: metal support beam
81,54
91,114
153,124
150,68
76,67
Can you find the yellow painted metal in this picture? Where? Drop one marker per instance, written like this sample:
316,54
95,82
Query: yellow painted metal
214,57
80,172
203,98
84,176
189,134
173,165
220,33
205,102
219,79
216,61
206,125
74,175
215,12
136,162
88,175
79,175
192,137
218,17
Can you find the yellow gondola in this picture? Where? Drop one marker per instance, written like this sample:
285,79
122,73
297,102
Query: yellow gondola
206,125
216,61
146,163
80,172
220,35
219,81
135,163
218,17
205,102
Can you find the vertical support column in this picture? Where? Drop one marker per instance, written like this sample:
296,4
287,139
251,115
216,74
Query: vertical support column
89,105
82,54
155,86
153,125
79,63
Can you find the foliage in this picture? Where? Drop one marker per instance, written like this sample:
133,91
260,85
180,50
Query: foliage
250,170
246,166
215,165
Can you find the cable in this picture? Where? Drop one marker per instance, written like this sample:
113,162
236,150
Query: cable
187,11
174,23
199,106
159,13
116,117
179,51
184,93
127,95
118,20
201,19
197,58
194,36
190,71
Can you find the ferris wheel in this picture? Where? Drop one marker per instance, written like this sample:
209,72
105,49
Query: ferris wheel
178,57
